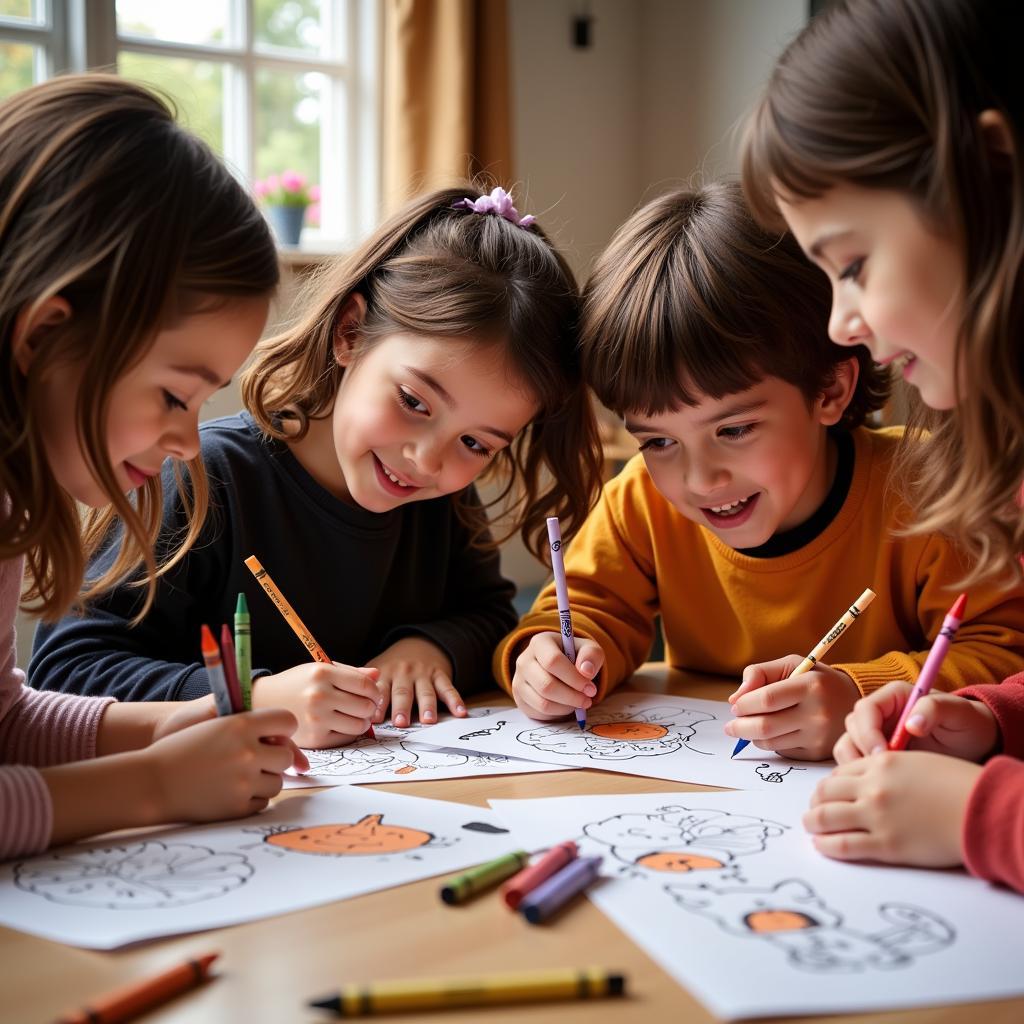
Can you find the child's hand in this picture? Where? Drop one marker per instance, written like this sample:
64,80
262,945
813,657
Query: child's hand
941,722
547,685
904,807
799,717
186,714
333,703
222,768
415,667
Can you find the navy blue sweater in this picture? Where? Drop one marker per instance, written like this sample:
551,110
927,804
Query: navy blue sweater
359,580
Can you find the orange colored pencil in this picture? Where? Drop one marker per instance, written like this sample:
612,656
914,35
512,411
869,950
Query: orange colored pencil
127,1002
289,616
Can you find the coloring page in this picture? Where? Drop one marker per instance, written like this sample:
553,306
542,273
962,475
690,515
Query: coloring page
727,893
305,851
391,757
662,737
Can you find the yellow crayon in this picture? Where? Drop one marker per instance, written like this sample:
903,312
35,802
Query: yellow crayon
286,610
835,633
481,990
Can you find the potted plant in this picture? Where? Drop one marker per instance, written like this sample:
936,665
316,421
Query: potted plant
286,197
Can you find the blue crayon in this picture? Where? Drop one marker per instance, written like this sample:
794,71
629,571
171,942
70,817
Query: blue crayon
554,893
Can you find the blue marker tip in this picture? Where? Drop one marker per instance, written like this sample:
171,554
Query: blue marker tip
581,719
740,744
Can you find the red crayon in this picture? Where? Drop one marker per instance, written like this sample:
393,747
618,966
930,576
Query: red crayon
530,877
130,1001
227,649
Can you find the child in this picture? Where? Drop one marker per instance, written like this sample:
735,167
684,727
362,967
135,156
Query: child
917,217
135,276
444,347
759,507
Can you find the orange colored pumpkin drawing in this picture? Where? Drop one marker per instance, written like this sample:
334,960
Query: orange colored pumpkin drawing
666,860
766,921
365,836
629,731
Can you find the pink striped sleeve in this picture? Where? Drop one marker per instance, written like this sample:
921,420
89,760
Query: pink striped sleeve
26,812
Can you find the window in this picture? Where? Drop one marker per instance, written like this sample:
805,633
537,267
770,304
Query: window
272,85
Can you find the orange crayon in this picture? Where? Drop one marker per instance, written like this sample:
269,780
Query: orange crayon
289,616
130,1001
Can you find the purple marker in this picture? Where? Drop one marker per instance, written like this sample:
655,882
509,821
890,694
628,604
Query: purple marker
554,893
562,593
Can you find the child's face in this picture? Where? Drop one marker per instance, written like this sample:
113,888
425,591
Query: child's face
420,417
746,466
154,408
897,285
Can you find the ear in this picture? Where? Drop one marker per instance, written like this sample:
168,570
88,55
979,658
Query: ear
347,327
996,134
836,397
31,324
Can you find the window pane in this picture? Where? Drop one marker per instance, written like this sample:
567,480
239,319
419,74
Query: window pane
196,86
23,10
287,113
18,63
201,22
291,25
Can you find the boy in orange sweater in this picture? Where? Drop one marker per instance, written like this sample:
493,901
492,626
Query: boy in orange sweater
759,506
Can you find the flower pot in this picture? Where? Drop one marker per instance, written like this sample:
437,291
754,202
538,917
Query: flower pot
287,223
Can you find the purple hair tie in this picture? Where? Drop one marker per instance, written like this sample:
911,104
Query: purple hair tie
499,202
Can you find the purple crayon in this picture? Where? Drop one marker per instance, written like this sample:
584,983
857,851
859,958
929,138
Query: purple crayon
553,894
562,593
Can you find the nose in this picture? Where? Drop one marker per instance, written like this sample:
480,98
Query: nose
703,476
181,441
845,324
427,455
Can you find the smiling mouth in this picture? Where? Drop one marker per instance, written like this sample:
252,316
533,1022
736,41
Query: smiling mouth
732,508
396,480
731,514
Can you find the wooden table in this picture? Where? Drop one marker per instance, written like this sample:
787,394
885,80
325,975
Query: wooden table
271,967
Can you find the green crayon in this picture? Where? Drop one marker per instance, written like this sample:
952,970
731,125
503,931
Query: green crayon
483,876
243,651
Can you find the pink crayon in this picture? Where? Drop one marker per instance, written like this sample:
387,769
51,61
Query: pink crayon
516,888
930,670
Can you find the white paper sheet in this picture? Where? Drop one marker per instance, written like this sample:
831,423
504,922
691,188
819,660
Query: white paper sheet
727,893
675,738
305,851
391,757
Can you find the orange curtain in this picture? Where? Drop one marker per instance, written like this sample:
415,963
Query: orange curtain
446,94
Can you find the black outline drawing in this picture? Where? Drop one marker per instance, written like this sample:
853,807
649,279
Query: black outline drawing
485,732
389,757
565,738
366,824
775,774
719,836
135,876
818,940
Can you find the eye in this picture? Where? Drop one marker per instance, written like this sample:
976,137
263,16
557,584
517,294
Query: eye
735,433
172,401
656,444
475,446
410,401
852,270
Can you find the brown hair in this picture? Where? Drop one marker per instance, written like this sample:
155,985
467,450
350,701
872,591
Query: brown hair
443,272
108,203
692,298
887,95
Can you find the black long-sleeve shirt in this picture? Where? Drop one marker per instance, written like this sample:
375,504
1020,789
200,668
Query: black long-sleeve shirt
359,581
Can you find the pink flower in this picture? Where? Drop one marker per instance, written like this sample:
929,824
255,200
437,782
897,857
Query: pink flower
313,214
292,181
273,183
314,193
260,189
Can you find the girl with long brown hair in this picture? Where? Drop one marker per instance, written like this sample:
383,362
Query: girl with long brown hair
889,139
441,350
135,277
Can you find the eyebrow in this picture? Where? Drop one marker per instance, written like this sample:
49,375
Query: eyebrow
437,386
733,410
817,249
205,373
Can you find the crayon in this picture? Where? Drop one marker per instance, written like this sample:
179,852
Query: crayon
824,645
550,896
562,593
481,990
530,877
288,613
930,670
227,647
462,887
243,650
131,1000
215,673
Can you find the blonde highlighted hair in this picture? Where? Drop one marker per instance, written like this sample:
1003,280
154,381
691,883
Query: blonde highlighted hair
888,94
442,272
106,202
